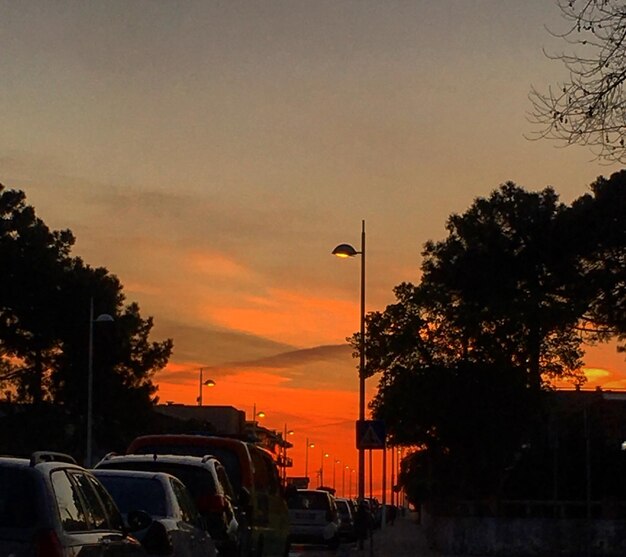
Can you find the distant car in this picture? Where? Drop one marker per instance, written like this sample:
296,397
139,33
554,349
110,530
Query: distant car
207,482
262,510
313,517
346,510
51,507
175,517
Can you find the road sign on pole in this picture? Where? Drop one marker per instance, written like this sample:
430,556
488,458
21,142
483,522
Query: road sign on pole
370,434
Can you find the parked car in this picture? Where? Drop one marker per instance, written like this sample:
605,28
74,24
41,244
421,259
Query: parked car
313,517
346,510
50,506
166,499
206,480
263,515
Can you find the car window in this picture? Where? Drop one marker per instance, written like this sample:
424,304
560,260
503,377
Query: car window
265,473
113,514
197,479
188,508
309,500
95,511
222,476
18,507
132,493
68,500
226,456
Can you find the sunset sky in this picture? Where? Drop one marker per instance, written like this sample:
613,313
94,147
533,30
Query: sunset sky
212,153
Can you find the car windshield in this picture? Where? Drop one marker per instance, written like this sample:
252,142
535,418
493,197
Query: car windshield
146,494
18,507
342,507
226,456
198,480
308,500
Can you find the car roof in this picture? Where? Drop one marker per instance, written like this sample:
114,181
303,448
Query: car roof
185,439
143,474
41,460
200,461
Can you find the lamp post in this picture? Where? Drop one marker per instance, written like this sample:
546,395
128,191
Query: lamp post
350,483
335,462
344,251
208,383
255,415
306,457
104,317
324,455
343,480
284,451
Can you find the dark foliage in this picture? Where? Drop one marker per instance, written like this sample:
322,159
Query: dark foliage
467,357
45,300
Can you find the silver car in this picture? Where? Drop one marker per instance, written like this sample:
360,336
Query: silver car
313,517
174,515
51,506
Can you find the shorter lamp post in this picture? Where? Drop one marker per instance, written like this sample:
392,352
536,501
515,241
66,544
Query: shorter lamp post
309,445
335,462
284,451
324,455
104,317
207,383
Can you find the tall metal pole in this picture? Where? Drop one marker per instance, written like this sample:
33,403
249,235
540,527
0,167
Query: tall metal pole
362,365
89,386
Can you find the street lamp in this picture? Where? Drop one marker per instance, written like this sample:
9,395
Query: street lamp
350,483
207,383
345,251
343,480
334,472
306,457
104,317
284,451
324,455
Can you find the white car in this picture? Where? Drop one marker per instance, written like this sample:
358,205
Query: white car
165,498
313,517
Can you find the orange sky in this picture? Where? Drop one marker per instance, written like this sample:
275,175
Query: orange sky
212,154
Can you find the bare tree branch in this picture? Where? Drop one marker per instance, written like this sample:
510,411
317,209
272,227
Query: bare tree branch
590,107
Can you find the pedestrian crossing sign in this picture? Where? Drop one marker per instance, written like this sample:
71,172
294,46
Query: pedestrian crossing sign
370,434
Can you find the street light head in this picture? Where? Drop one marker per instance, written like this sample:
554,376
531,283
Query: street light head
345,250
311,445
104,317
209,383
291,432
260,414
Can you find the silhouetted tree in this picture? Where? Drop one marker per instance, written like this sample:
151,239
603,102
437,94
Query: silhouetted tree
465,355
45,298
33,260
588,107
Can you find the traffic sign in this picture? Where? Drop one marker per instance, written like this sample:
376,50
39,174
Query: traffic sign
370,434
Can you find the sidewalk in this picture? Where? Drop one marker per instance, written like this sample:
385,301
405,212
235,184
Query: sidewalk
404,539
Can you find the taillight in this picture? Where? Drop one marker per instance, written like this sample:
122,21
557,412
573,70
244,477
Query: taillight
48,544
211,503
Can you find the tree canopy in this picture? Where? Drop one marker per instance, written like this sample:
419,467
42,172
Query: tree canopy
45,299
504,307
